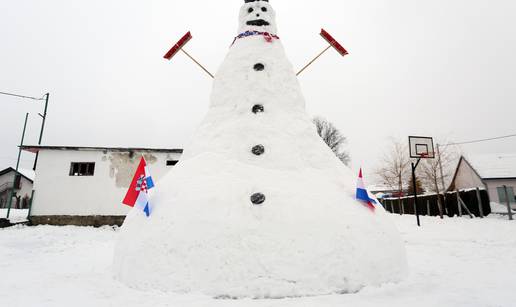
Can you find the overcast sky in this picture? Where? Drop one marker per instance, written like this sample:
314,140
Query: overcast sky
442,68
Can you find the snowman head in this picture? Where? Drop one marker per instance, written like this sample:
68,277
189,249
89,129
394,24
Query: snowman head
257,15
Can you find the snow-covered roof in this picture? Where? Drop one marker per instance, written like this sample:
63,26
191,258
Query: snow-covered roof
379,187
491,166
37,148
29,174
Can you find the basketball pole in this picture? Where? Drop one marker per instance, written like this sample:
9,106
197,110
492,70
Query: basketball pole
422,150
414,167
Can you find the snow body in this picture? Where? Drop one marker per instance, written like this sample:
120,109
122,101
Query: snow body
309,237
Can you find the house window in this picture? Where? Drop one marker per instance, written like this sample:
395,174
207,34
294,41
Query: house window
82,169
501,194
172,162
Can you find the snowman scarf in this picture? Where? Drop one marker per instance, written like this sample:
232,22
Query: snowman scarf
268,37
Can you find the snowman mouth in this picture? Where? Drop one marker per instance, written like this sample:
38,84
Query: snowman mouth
258,23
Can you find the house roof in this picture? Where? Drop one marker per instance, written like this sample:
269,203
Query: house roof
35,149
27,174
493,166
380,188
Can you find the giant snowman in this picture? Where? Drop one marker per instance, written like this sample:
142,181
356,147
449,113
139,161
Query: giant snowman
259,206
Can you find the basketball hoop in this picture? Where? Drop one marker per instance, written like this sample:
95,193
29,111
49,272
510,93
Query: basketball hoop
420,147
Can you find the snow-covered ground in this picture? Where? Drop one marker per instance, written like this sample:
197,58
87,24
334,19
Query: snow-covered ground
16,215
502,208
455,262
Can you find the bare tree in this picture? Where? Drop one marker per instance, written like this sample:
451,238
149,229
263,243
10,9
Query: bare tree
419,187
395,166
333,138
430,172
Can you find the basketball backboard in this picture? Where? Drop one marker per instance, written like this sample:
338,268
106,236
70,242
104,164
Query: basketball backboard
421,147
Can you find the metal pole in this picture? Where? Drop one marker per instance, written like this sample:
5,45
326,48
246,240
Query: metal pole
414,166
17,165
509,209
441,206
441,167
312,61
44,117
195,61
22,140
30,205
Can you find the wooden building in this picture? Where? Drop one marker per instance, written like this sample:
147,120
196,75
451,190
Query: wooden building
492,172
21,181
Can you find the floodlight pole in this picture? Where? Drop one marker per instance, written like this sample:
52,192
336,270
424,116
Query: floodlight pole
414,167
10,201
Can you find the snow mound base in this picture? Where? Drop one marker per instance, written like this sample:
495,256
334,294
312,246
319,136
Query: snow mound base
221,245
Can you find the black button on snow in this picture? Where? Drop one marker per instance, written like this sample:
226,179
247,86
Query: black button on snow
258,108
258,198
259,67
258,150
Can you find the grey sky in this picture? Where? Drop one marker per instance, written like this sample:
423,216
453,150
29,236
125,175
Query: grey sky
443,68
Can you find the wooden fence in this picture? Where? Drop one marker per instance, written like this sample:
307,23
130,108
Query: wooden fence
475,202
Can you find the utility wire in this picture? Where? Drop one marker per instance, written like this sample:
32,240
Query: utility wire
483,140
20,96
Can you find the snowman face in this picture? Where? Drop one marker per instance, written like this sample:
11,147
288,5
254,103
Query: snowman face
257,16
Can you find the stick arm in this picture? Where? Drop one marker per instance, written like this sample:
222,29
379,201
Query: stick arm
332,43
179,46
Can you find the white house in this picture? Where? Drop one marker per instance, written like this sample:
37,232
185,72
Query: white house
22,183
86,185
492,172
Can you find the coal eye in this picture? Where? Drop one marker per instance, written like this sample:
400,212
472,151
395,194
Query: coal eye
264,9
250,10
